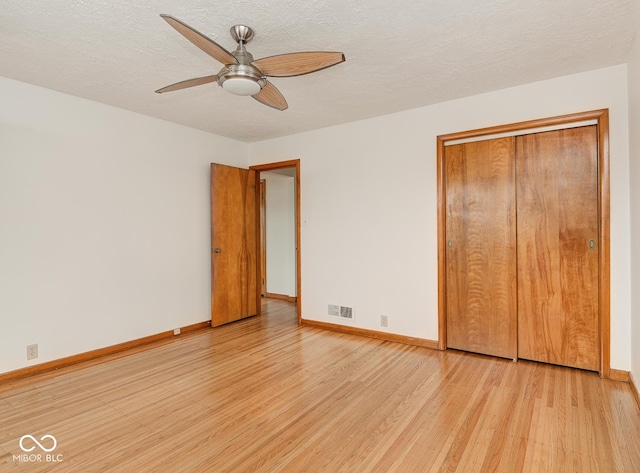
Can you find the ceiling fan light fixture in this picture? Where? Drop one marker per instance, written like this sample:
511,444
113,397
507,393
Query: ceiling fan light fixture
241,86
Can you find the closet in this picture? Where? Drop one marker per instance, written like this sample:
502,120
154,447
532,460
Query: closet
521,256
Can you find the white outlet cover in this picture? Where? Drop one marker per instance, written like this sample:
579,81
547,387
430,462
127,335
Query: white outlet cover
32,351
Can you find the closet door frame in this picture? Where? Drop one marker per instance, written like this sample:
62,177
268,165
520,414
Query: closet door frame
601,118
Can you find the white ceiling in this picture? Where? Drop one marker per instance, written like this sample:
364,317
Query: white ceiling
400,55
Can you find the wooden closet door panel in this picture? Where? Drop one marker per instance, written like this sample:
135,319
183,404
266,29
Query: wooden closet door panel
481,258
557,269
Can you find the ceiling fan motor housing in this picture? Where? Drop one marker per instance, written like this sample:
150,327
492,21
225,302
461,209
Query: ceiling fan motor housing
241,78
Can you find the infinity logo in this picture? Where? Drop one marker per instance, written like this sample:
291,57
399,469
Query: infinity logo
55,443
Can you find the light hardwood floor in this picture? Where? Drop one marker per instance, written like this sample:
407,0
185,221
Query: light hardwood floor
265,395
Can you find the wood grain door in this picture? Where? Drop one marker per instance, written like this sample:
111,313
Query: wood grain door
557,192
234,244
481,247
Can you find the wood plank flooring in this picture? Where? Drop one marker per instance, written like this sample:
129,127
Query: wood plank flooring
265,395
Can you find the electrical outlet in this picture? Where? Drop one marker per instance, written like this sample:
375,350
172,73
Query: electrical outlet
176,331
32,351
384,321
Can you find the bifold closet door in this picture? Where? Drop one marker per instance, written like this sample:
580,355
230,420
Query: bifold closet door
557,185
481,247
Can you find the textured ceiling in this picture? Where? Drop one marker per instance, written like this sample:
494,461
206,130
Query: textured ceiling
400,55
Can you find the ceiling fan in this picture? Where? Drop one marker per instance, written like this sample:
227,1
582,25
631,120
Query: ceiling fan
241,74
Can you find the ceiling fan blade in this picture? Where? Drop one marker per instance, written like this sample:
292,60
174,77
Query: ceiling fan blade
296,64
208,45
271,96
187,83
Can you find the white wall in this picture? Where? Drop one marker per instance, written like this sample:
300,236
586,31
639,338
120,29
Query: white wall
634,162
281,237
104,215
104,223
368,197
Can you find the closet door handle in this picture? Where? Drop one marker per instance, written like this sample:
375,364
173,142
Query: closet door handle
592,244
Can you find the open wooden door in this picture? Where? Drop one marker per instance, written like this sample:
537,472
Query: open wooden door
234,244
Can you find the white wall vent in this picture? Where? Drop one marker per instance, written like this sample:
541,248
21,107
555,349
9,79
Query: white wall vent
334,310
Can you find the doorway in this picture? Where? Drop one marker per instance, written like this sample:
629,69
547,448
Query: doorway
280,231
